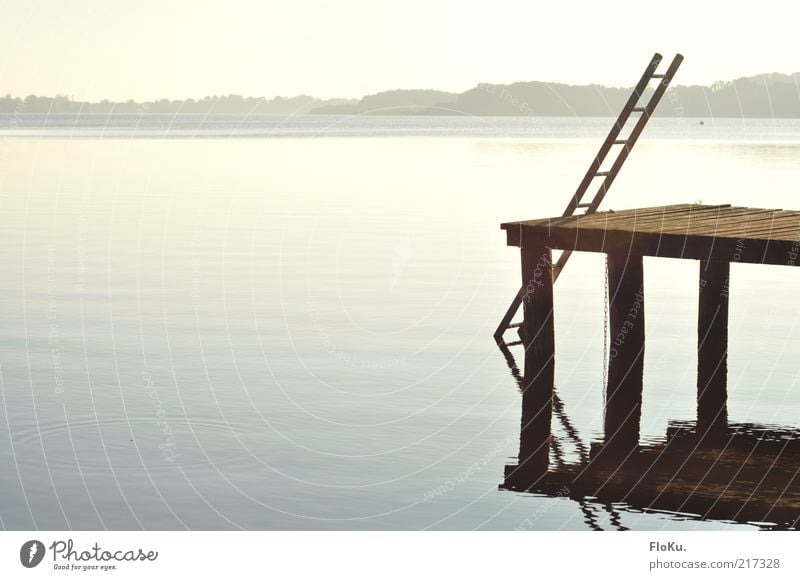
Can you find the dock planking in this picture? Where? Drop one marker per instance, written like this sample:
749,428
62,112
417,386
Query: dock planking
688,231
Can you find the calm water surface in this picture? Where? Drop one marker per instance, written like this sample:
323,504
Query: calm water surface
211,332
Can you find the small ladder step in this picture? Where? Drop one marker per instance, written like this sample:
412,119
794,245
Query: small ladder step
584,205
515,343
658,76
603,173
515,325
639,110
620,142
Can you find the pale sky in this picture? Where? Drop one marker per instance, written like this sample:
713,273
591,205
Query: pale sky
115,49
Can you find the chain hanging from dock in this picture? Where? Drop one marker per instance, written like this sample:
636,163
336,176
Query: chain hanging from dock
605,334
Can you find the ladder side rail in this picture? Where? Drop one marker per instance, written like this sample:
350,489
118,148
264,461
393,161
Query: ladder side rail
635,133
612,173
616,128
509,316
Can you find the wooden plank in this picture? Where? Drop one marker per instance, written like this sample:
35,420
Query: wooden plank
701,221
680,222
747,223
723,226
672,222
752,226
597,215
625,218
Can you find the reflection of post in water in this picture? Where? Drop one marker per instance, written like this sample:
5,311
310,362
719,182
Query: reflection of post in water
524,478
747,473
743,473
558,405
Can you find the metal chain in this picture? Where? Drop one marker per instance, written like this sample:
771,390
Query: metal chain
605,335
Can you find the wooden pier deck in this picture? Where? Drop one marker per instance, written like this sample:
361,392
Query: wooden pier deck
714,235
700,232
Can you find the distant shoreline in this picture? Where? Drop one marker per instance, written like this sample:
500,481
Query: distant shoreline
243,116
541,129
773,96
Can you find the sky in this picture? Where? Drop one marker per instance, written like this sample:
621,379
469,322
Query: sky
119,49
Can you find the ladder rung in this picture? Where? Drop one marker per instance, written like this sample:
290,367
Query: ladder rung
659,76
620,142
515,325
515,343
584,205
603,173
638,109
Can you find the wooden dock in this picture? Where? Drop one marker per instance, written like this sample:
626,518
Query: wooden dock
714,235
717,233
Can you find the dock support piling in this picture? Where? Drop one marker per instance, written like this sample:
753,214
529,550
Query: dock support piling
626,353
538,336
712,347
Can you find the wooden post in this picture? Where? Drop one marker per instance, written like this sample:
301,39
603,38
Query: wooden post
539,339
626,353
712,347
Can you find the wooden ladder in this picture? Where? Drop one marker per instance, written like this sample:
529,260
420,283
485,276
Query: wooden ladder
576,202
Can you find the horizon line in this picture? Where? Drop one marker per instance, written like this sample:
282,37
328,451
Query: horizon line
72,98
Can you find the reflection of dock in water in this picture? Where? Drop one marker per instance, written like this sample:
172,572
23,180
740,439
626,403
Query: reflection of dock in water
747,474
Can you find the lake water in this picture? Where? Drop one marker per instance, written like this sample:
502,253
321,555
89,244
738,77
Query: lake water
279,323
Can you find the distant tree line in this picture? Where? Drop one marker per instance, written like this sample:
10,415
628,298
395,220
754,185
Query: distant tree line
214,105
764,96
767,96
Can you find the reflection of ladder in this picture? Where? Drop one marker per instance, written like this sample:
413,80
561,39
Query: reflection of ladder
596,169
